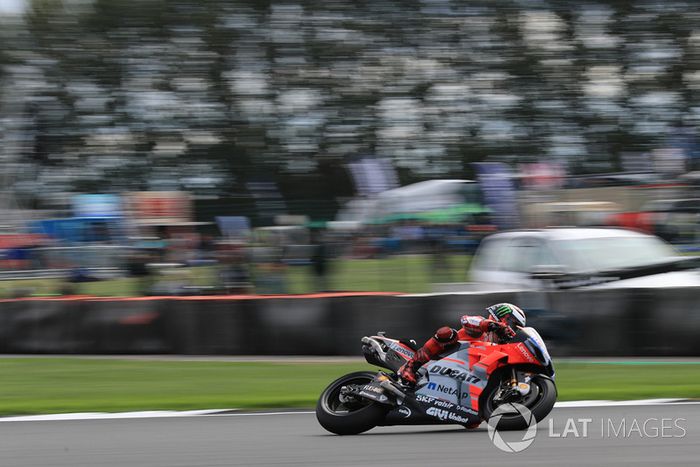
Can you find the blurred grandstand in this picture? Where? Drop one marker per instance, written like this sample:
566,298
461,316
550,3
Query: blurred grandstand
285,134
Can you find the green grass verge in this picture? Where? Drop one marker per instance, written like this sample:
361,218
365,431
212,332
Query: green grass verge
120,287
54,385
402,273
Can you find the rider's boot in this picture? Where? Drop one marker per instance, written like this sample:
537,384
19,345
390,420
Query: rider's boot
443,338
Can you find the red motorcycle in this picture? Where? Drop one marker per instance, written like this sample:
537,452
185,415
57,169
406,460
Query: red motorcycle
463,386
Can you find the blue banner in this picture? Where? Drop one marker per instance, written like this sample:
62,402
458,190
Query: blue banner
499,192
97,206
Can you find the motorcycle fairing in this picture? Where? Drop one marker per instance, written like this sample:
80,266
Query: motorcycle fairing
426,410
451,379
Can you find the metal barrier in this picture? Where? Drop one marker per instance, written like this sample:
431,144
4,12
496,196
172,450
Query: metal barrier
611,322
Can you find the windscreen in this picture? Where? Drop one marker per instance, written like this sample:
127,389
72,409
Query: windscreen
536,345
606,253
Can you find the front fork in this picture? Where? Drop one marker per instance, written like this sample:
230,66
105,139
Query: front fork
513,390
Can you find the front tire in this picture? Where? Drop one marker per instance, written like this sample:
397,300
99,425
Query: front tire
348,419
539,402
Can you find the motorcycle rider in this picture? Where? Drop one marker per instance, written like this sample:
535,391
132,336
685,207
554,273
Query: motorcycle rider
496,328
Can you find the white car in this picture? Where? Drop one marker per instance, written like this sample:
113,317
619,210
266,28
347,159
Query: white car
566,258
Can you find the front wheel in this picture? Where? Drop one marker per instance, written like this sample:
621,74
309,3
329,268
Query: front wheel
539,401
348,417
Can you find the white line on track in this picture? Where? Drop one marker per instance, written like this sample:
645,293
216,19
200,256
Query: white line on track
234,413
597,403
257,414
113,415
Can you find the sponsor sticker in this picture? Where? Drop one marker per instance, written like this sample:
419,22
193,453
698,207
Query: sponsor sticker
445,415
371,388
441,404
521,348
402,350
442,388
445,389
434,401
459,375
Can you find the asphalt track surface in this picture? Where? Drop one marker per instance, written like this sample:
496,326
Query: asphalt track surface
296,439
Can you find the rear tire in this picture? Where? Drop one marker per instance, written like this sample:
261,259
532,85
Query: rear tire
539,405
350,419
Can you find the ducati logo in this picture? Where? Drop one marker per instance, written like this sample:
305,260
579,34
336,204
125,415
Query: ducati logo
459,375
516,445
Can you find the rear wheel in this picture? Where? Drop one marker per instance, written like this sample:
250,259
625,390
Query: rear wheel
539,401
348,417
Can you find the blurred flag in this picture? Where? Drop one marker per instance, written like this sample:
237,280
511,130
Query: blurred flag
373,176
233,226
496,180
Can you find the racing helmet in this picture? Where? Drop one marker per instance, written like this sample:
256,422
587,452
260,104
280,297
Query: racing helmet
507,313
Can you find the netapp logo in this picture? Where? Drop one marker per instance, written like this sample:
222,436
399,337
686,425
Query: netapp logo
442,388
446,389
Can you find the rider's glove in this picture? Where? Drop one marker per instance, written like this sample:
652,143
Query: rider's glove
502,330
407,374
488,325
505,332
